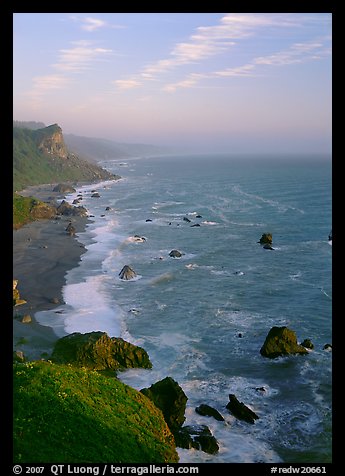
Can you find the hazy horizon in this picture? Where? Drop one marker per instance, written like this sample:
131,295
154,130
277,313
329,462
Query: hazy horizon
246,83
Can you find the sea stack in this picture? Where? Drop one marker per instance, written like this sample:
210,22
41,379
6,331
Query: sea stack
127,273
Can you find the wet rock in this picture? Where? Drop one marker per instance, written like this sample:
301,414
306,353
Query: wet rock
127,273
240,410
281,341
266,238
198,437
307,343
175,254
169,397
206,410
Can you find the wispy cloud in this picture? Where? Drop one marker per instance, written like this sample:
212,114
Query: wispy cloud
297,53
70,61
49,82
127,83
79,57
91,24
208,41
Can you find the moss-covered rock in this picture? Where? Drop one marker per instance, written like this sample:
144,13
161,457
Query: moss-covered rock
98,351
64,414
281,341
266,239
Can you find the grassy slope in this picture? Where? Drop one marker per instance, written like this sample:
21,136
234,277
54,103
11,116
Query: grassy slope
68,415
32,167
22,207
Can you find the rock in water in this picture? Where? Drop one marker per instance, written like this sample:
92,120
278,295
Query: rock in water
240,410
175,254
206,410
169,397
281,341
127,273
266,239
198,437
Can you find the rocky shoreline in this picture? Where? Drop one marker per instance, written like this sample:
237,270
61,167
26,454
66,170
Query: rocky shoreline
43,252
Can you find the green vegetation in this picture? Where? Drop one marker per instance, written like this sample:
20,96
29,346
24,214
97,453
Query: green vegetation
26,209
22,207
33,164
64,414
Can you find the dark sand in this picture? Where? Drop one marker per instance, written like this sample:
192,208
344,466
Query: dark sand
42,254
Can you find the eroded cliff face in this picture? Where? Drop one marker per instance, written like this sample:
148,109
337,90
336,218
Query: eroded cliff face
52,142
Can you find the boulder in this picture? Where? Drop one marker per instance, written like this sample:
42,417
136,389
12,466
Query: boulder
266,238
127,273
198,437
64,188
307,343
267,246
240,410
98,351
281,341
70,229
17,301
67,209
26,319
175,254
169,397
41,210
206,410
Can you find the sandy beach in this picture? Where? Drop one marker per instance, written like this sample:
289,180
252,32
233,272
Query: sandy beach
42,254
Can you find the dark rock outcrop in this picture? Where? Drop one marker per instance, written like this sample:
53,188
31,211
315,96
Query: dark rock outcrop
67,209
198,437
98,351
127,273
240,410
206,410
281,341
64,188
266,238
307,343
169,397
175,254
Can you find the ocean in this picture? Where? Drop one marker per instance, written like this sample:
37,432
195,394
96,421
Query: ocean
204,316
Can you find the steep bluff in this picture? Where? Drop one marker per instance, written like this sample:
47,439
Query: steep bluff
50,141
41,156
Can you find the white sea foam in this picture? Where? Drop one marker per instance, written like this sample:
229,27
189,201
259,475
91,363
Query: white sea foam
222,288
86,309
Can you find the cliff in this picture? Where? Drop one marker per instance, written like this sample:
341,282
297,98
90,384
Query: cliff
50,141
41,156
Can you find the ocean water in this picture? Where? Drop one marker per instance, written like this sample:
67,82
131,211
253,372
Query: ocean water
203,317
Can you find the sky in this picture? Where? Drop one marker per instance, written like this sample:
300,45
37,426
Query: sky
212,82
